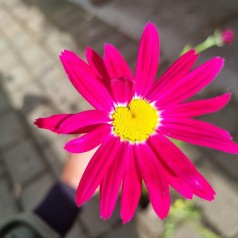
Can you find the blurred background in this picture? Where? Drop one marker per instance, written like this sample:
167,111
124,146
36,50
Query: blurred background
33,84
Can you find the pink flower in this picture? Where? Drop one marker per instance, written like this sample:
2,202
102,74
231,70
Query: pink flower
227,36
132,119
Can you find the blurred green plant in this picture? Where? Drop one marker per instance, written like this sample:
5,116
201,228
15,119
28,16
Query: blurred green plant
219,39
184,211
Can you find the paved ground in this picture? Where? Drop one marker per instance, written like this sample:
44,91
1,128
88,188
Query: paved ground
32,33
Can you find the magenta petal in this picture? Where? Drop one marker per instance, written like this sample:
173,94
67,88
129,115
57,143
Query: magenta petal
90,140
147,60
131,188
173,74
180,186
51,123
111,183
197,108
83,119
85,81
153,175
96,62
122,89
198,133
191,83
173,159
204,195
97,169
116,65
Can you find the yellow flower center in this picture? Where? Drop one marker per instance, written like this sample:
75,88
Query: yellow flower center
136,122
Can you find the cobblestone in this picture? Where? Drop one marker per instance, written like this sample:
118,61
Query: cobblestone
4,104
58,40
33,194
12,130
192,152
36,86
61,91
129,50
2,169
128,230
56,155
8,207
222,212
34,55
183,230
90,218
68,17
21,11
6,19
22,40
114,38
3,45
32,18
23,162
225,118
7,61
148,223
36,108
21,98
13,30
16,79
10,3
226,162
76,232
93,30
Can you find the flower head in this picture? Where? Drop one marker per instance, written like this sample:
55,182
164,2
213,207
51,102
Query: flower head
131,123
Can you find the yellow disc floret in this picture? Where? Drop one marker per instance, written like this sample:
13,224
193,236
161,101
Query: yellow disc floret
136,122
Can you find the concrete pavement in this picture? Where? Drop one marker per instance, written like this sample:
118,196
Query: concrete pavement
33,84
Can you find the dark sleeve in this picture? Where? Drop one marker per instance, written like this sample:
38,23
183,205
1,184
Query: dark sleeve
58,209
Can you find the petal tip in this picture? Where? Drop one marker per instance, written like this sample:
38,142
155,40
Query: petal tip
227,97
38,122
104,216
67,148
126,218
109,46
89,50
220,61
150,25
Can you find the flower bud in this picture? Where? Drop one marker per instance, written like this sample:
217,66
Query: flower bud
227,36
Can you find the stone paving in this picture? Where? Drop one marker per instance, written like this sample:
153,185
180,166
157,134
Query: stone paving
33,84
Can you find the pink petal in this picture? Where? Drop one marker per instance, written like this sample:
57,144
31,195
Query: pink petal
173,74
197,108
96,62
180,186
51,123
86,129
194,126
83,119
90,140
207,195
85,81
153,175
97,169
131,188
147,60
122,89
116,65
111,183
191,83
174,160
198,133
